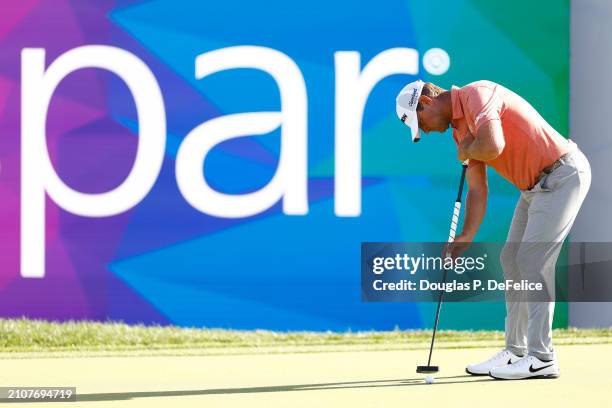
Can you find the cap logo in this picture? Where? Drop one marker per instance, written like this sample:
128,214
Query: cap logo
404,116
413,98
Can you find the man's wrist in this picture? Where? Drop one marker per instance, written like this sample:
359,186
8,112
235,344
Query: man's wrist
468,235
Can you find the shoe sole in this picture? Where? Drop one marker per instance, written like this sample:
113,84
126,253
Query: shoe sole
475,374
535,377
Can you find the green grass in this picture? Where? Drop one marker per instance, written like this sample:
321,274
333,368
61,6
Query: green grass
23,335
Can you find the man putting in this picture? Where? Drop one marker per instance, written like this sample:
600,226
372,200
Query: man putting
493,126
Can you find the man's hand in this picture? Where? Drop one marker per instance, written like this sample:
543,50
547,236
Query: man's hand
464,146
456,248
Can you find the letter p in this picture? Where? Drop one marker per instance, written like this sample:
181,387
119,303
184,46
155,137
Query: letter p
37,173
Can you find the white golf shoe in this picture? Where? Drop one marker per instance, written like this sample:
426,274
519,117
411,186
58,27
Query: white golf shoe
527,367
501,359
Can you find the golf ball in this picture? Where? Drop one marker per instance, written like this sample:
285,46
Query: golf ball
429,379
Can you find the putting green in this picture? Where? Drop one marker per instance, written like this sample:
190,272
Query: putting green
336,378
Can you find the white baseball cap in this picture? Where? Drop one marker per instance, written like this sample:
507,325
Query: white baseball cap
406,104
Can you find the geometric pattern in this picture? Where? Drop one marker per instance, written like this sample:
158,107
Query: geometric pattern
163,261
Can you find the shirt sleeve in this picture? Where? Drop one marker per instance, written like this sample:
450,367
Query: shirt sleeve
483,105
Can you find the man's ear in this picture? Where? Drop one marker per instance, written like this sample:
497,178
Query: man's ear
425,100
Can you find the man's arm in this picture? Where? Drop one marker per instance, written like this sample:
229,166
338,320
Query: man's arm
476,200
475,206
487,145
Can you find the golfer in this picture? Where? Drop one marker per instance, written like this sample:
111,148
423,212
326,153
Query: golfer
494,127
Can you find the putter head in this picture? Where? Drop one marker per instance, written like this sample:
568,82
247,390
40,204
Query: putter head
427,369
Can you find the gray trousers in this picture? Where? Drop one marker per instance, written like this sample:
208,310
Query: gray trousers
542,219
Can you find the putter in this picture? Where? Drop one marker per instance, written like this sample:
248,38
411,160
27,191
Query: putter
451,237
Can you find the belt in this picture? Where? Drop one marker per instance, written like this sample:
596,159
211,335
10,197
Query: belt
558,163
549,169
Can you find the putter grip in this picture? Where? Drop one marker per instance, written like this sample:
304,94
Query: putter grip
454,222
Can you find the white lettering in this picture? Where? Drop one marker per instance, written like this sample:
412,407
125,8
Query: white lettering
37,172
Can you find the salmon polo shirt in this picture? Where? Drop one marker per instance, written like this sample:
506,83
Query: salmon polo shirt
531,143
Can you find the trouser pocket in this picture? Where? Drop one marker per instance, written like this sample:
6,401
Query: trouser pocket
558,177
